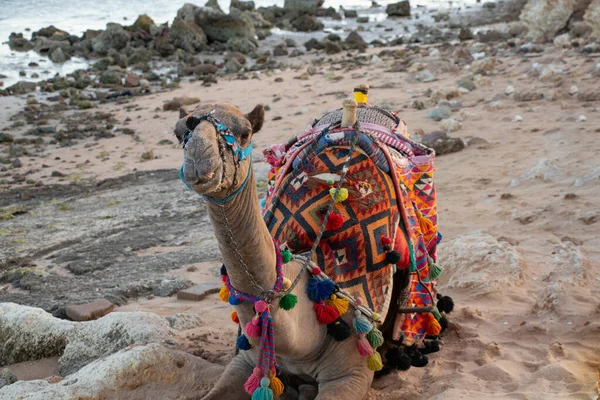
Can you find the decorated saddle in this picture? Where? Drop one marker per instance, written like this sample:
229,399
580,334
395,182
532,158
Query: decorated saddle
384,219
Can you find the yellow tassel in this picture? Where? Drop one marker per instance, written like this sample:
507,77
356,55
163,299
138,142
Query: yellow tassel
224,294
277,387
424,223
341,196
340,304
433,326
374,362
286,284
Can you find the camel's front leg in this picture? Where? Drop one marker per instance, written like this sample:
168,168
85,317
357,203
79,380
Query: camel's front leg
350,387
230,385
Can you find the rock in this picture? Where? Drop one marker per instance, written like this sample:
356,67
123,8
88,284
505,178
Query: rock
442,143
89,311
6,137
363,19
187,36
544,18
139,372
451,125
517,118
17,42
313,44
399,9
479,263
16,163
233,66
509,90
50,32
144,23
528,96
484,66
332,47
592,95
242,5
280,50
517,29
188,12
110,78
303,6
213,4
58,56
467,83
7,377
21,87
178,102
205,69
132,80
198,292
114,37
581,29
355,41
490,35
220,27
242,45
57,174
439,113
184,321
307,23
465,34
592,18
424,75
350,13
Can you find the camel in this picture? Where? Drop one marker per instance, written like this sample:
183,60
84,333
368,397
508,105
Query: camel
303,347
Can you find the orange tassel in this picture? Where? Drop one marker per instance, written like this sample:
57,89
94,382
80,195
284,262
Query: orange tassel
433,326
277,387
325,314
234,317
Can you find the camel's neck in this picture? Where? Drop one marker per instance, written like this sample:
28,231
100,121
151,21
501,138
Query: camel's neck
239,224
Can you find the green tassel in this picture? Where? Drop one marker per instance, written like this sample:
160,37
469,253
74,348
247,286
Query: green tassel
375,338
435,271
436,314
288,301
286,255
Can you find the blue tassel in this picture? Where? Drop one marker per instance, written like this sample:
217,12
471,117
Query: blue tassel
263,392
234,301
263,202
318,290
361,324
242,343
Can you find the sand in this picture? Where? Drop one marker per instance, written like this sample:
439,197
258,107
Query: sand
521,238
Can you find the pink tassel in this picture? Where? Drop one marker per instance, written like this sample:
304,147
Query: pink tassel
364,347
253,382
253,328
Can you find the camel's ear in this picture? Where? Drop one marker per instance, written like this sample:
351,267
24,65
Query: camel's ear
182,112
256,117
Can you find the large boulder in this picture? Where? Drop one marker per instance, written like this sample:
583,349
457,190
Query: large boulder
136,373
442,143
307,23
592,17
220,27
21,87
545,18
188,12
242,5
303,6
399,9
51,32
114,37
144,23
187,36
17,42
355,41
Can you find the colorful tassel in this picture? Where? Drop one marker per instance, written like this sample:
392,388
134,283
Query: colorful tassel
375,338
253,328
286,284
342,195
445,304
335,221
224,294
339,330
318,290
325,314
386,241
261,306
253,381
288,301
364,348
339,303
263,392
277,387
234,317
242,343
234,301
433,327
287,256
393,257
223,270
360,323
435,271
436,314
374,362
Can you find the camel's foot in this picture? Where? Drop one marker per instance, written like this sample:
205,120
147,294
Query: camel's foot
230,385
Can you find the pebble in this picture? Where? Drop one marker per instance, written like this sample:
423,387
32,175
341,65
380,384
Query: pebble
573,90
509,90
582,118
478,56
518,118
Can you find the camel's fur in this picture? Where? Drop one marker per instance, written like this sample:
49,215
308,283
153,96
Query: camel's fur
304,350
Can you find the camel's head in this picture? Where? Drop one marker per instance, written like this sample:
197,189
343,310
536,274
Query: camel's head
217,161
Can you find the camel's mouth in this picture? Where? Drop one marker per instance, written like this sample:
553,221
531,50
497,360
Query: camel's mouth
209,182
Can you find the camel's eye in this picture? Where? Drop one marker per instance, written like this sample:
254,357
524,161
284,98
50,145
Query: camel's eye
245,135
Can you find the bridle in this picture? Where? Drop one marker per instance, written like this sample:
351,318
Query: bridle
239,153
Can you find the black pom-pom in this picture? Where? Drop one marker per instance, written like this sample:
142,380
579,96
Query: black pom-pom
387,247
223,269
192,122
397,358
392,257
339,330
432,346
444,324
417,359
445,304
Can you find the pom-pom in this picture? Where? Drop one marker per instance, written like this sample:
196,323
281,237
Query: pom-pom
435,271
364,348
375,316
234,317
445,304
277,387
342,194
234,301
374,362
319,289
224,294
386,241
339,303
361,324
432,326
263,392
392,257
329,182
242,343
335,221
316,271
287,256
286,284
416,358
325,314
375,338
253,381
260,306
223,270
253,328
339,330
358,301
288,301
397,358
432,346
